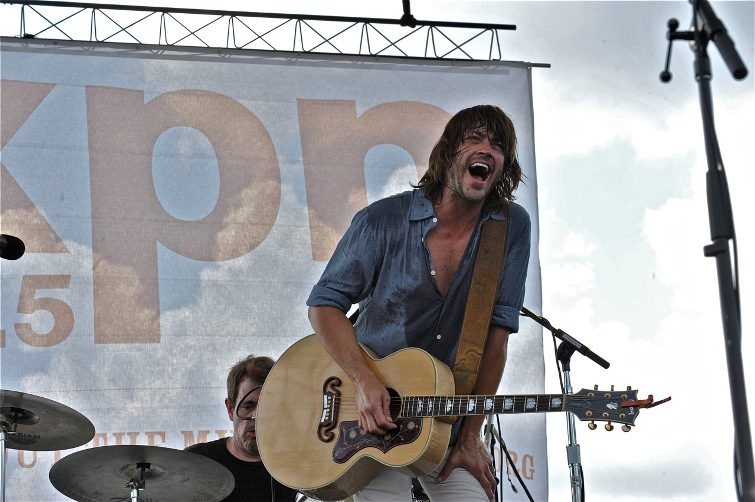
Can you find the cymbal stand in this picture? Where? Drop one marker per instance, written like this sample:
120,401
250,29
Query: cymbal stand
138,484
16,416
2,459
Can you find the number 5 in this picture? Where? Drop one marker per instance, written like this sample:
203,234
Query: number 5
28,303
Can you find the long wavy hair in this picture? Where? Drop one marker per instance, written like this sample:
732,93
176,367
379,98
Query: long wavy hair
447,148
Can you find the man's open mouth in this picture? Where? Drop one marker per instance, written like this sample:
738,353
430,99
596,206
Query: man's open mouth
479,170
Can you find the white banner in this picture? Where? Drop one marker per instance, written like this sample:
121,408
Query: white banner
178,207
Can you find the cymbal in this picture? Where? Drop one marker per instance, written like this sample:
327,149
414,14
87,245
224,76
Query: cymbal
36,423
104,473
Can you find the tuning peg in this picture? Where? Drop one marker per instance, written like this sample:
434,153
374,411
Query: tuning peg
626,428
609,426
629,387
611,388
595,387
592,426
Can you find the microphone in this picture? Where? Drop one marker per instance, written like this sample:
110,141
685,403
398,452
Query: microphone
717,32
11,248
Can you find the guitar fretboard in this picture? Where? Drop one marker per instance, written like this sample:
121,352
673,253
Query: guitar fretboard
441,406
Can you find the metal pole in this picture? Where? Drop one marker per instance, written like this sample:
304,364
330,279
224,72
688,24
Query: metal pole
2,463
573,456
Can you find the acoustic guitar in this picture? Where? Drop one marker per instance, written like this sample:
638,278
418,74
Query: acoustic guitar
307,430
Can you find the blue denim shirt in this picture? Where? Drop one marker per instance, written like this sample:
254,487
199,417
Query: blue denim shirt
382,263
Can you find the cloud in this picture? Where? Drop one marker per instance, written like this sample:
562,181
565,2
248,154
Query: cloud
627,173
659,477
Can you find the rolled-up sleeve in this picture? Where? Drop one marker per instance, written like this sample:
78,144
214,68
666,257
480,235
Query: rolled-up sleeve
349,273
510,294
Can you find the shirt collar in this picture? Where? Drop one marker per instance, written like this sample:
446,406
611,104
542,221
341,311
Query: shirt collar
422,208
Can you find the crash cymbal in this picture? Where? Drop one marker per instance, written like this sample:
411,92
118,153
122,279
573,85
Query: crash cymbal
36,423
105,473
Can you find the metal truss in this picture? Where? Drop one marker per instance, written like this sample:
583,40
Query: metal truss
212,29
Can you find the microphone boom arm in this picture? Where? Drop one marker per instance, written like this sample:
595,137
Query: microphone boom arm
567,339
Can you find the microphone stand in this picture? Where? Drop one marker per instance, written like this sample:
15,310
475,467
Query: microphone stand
707,27
566,348
2,460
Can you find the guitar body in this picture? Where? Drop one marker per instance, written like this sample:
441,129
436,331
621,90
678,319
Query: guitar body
306,421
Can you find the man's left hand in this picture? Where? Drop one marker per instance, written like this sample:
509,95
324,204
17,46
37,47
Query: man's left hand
470,454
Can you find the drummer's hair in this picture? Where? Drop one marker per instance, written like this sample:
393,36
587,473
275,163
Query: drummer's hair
256,368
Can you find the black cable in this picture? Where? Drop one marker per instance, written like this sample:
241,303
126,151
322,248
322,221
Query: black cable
244,399
559,369
499,485
582,477
511,463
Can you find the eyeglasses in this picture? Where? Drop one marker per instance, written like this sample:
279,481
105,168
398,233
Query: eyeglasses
247,408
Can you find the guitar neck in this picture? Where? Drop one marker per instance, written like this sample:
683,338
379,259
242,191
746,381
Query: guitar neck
442,406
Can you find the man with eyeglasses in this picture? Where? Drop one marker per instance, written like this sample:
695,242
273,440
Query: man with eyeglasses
239,453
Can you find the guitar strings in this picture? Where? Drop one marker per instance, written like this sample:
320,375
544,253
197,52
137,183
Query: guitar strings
459,404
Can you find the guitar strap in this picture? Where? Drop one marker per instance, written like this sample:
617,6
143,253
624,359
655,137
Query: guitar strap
474,329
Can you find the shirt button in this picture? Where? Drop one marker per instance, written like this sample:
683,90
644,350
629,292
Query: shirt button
432,272
435,220
438,337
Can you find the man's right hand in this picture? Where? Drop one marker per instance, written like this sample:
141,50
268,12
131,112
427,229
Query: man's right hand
374,405
336,333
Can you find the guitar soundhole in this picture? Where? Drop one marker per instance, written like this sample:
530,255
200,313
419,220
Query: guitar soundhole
395,403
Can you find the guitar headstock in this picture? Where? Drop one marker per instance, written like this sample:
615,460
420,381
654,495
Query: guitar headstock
606,406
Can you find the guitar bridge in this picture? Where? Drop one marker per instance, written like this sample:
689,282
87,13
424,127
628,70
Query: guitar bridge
329,415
